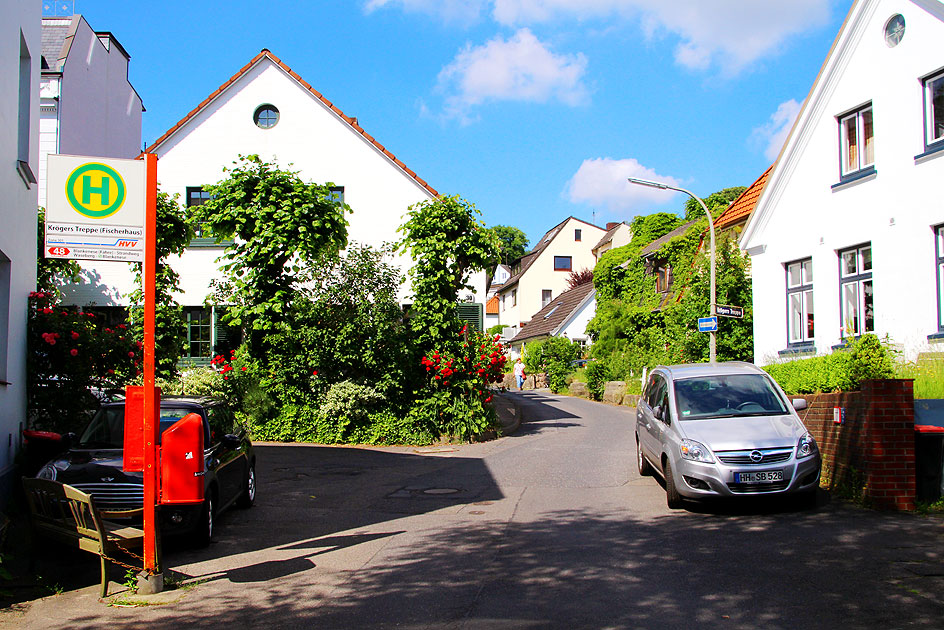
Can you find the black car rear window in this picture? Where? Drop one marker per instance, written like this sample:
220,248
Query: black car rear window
107,428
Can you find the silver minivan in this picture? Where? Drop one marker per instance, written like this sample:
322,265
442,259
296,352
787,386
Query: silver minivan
723,430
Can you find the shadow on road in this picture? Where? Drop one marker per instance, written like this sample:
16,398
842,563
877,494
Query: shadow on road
573,569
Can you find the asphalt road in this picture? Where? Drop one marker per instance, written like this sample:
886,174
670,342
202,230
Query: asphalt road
548,528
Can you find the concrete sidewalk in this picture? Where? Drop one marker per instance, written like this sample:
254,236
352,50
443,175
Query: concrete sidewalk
508,410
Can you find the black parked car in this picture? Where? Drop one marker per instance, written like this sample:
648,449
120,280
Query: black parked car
94,459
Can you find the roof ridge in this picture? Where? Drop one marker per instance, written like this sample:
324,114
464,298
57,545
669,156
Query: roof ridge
351,121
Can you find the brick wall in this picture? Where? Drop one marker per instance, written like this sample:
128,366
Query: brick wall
874,447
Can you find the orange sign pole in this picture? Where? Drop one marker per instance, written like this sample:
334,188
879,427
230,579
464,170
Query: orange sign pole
151,467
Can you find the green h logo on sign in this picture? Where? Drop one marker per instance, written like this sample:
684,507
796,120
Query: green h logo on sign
88,190
95,190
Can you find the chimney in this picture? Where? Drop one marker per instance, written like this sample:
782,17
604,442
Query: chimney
611,225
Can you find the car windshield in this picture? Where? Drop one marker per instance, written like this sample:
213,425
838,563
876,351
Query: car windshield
107,428
725,396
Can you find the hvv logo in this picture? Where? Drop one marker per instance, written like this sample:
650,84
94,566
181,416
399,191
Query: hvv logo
95,190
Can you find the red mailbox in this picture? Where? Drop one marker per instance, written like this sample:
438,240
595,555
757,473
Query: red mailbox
182,465
134,441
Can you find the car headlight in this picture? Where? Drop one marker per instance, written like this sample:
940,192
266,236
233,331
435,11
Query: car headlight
47,472
806,447
695,451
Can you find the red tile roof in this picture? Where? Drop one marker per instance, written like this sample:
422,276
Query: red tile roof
741,208
491,307
266,54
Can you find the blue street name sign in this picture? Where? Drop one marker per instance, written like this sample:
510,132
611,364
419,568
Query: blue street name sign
707,324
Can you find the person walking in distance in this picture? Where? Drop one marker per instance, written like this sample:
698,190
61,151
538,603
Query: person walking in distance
519,372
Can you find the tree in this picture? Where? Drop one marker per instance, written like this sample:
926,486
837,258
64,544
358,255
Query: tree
513,243
447,243
350,325
637,326
279,225
576,278
716,203
170,334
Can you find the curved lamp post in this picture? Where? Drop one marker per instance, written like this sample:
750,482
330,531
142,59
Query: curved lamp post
711,229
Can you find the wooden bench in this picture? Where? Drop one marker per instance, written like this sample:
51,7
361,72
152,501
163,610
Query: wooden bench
61,512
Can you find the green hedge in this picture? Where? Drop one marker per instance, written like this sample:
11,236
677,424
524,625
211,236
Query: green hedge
843,370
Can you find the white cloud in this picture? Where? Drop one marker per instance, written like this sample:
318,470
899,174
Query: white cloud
448,10
531,11
521,68
601,183
730,33
772,134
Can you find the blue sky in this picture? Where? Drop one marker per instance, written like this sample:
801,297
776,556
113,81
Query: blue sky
534,110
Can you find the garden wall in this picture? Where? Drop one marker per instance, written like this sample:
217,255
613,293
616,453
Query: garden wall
872,450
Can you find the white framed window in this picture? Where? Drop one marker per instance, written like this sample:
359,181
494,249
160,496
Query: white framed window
934,109
24,112
800,312
856,292
939,263
857,141
546,297
663,276
5,280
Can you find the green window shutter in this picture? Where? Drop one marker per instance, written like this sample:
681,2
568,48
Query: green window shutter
473,314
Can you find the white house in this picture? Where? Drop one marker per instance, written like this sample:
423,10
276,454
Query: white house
269,110
542,274
87,104
20,53
848,234
617,235
567,315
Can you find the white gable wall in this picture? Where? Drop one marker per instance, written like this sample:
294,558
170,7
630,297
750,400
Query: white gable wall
19,22
575,328
308,138
801,214
90,108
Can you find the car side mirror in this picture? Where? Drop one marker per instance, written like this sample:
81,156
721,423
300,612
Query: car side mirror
657,412
68,439
231,441
800,403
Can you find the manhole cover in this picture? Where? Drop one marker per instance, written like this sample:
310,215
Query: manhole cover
440,491
476,512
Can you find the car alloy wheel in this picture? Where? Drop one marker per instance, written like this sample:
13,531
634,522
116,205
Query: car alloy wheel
248,496
204,532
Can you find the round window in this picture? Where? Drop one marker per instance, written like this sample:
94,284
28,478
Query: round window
266,116
894,30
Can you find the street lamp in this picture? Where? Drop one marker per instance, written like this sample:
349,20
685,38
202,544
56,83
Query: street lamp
711,229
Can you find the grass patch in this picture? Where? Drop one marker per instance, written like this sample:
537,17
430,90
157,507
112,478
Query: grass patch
935,507
928,375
